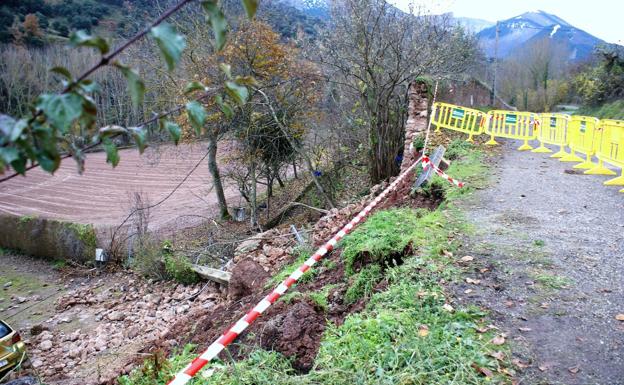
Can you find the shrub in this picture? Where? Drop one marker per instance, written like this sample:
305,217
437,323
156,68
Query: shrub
179,268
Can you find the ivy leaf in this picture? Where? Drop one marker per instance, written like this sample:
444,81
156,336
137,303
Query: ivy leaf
217,22
63,72
139,137
237,92
48,162
136,87
250,7
196,115
174,130
194,86
225,108
82,38
170,42
61,109
227,70
11,128
8,155
112,156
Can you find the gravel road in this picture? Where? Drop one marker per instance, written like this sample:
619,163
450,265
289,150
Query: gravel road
549,254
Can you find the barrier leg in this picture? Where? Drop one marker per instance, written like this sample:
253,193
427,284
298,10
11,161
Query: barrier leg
622,190
470,140
571,157
491,142
526,146
542,149
586,165
619,181
561,153
600,169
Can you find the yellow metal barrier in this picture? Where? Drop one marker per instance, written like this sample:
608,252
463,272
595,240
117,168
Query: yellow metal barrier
458,118
610,149
552,130
583,135
512,125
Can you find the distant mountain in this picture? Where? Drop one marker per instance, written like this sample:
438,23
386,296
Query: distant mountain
521,31
474,25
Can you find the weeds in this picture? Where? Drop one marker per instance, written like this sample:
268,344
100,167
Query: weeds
553,281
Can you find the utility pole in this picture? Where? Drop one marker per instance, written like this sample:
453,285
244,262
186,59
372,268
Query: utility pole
493,92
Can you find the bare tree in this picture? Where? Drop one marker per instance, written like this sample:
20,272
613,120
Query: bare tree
373,50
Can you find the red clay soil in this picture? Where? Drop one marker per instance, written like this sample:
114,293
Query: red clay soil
102,195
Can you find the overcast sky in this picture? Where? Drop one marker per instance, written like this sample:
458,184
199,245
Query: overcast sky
601,18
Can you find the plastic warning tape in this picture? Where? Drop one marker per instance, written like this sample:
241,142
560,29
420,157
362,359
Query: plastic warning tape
426,162
186,374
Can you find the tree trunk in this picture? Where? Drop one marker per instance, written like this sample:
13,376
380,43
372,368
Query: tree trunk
254,197
216,178
295,168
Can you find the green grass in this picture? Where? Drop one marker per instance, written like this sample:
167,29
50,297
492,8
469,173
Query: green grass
612,110
384,234
553,281
383,343
363,284
539,243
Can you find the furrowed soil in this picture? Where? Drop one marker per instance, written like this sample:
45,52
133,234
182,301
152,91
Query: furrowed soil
548,262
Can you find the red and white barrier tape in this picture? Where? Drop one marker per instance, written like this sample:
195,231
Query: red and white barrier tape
186,374
426,162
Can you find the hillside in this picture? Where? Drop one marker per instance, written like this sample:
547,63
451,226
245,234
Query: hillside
521,31
56,19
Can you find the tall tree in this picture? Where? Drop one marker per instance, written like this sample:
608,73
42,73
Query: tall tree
373,50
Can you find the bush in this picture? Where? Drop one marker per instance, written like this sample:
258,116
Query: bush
179,268
148,259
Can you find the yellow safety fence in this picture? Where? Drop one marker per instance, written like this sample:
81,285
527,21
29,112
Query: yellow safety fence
610,149
585,135
512,125
552,130
458,118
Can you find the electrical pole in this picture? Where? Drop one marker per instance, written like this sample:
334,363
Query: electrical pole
493,92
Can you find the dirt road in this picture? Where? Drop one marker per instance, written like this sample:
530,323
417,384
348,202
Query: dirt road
549,253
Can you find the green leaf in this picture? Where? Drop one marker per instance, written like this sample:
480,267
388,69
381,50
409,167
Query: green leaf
227,69
250,7
8,155
63,72
112,156
82,38
11,128
139,137
196,115
174,130
61,110
49,163
225,108
170,42
194,86
136,87
237,92
217,22
89,86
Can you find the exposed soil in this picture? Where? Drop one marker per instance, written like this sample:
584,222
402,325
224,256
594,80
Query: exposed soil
549,257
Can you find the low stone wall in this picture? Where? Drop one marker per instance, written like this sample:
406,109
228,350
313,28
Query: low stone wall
48,238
